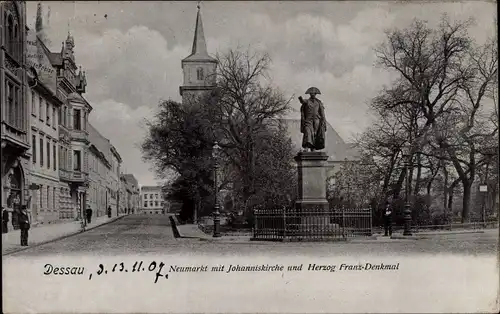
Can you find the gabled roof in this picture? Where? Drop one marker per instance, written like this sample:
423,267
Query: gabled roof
199,51
56,58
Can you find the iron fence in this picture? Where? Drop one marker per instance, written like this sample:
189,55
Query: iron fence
313,224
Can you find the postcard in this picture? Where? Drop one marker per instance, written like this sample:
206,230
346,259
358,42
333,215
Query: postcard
249,157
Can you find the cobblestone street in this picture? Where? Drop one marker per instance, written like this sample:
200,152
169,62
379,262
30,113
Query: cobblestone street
152,234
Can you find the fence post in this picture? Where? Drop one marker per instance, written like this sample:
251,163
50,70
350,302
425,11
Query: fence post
284,223
343,222
371,222
255,223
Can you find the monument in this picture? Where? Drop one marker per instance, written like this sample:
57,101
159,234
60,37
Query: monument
311,161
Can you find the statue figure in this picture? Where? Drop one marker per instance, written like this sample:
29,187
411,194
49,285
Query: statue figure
312,122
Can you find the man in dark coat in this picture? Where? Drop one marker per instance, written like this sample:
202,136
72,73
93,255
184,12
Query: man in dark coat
5,220
109,211
387,220
24,225
88,213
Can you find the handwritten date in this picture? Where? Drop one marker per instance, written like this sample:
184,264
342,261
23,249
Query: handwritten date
137,267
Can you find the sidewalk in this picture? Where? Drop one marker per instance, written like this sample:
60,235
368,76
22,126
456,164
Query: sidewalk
48,233
192,231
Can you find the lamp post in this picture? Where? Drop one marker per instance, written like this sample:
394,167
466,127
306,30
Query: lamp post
407,210
215,154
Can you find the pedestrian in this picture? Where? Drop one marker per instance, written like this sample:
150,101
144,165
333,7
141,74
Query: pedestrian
24,225
89,214
5,220
109,211
387,220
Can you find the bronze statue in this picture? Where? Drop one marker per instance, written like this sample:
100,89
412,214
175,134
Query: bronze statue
313,121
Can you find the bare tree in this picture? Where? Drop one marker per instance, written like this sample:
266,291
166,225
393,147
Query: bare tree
249,110
442,80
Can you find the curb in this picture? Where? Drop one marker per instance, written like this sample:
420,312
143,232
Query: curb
61,237
450,233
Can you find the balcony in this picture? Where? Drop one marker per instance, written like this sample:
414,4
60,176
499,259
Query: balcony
17,138
79,135
76,177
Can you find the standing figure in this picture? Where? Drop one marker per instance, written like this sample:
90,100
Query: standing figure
313,121
387,220
24,225
88,213
5,220
109,211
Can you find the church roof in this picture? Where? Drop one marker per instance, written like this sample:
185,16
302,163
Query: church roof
336,148
199,51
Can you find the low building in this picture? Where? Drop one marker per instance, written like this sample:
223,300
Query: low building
104,166
153,201
130,192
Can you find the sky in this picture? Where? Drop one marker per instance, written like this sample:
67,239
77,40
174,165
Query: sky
132,51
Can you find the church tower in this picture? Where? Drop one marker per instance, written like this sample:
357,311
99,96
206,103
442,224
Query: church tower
199,69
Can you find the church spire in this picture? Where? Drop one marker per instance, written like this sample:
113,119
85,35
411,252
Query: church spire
199,50
199,43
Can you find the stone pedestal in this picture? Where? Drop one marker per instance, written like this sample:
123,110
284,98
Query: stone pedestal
311,203
311,167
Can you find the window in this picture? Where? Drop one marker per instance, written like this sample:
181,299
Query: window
54,153
40,108
60,115
33,104
145,204
33,148
41,150
14,111
54,197
41,195
151,203
156,203
48,153
10,34
84,121
48,197
65,117
76,160
199,74
145,196
61,157
77,122
54,117
47,111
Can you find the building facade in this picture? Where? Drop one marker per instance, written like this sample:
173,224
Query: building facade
45,107
104,168
153,201
46,146
15,110
130,195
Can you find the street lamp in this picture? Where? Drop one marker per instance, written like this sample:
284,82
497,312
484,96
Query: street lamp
407,210
216,155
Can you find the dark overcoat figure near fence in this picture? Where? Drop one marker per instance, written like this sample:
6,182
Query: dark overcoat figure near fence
387,221
88,213
109,212
24,225
5,220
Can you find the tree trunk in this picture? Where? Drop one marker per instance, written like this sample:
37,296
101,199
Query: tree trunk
445,190
466,200
399,184
419,175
